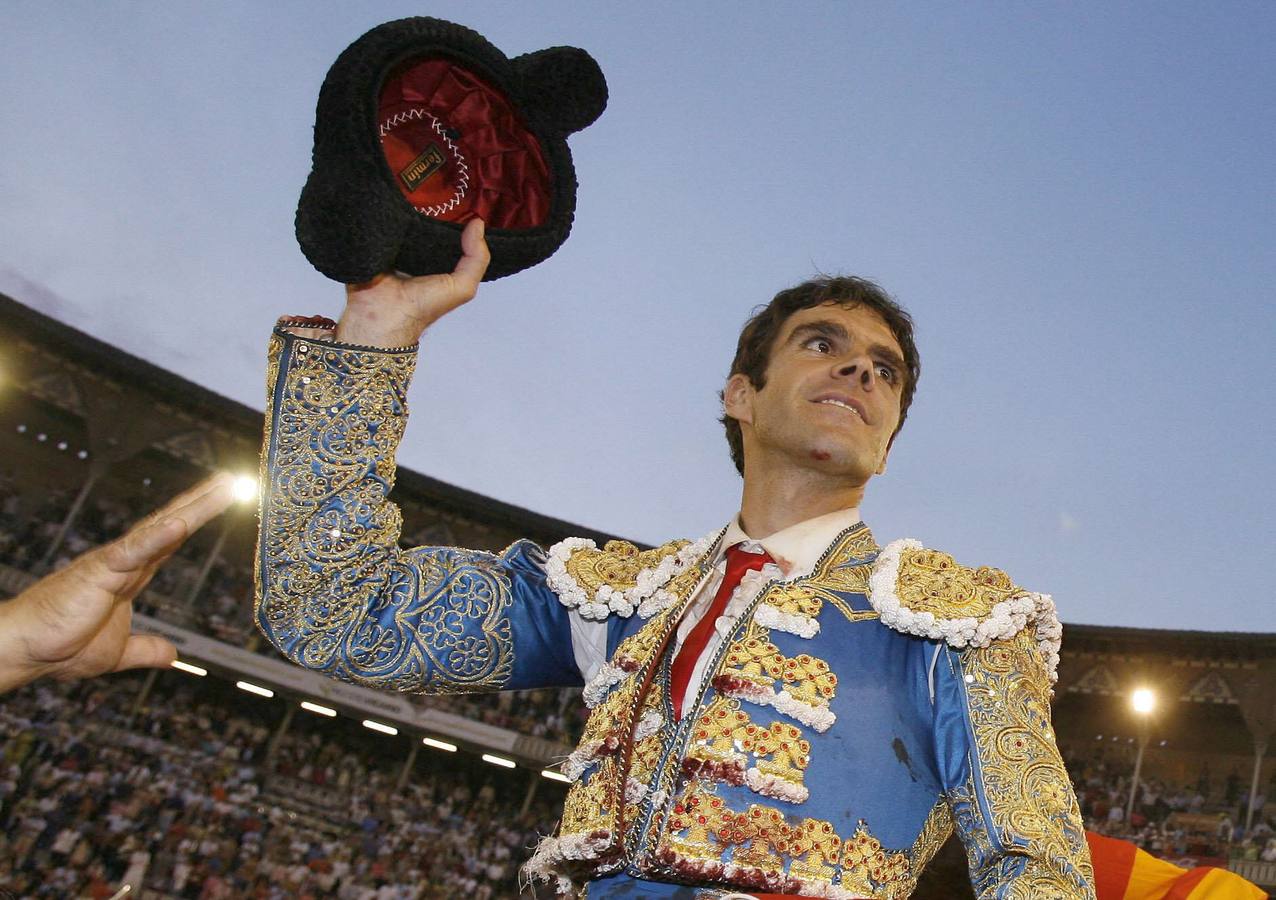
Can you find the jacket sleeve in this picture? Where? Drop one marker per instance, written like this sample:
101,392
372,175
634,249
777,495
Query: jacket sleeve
334,591
1012,801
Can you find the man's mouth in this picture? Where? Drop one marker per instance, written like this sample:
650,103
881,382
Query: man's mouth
834,401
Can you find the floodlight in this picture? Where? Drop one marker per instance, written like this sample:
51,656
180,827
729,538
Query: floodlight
1143,700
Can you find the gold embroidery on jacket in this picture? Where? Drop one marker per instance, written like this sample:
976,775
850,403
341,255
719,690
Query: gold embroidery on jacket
835,574
759,848
852,615
795,598
597,803
753,666
589,807
724,738
935,830
1034,812
712,752
932,581
339,596
616,565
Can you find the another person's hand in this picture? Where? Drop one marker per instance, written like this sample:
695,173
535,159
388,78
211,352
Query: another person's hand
394,310
76,622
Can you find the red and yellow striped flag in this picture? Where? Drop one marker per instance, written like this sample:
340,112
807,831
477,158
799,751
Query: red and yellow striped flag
1124,872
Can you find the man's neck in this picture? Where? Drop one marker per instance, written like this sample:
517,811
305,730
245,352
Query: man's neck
773,502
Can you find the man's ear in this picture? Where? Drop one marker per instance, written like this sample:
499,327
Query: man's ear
737,398
881,466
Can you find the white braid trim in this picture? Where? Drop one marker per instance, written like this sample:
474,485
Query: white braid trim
608,600
635,790
580,760
550,851
817,716
775,786
648,725
821,718
1005,620
769,616
601,684
570,594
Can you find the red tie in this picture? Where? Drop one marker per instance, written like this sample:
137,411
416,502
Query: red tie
739,561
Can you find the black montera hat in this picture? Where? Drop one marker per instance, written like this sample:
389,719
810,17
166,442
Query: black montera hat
423,125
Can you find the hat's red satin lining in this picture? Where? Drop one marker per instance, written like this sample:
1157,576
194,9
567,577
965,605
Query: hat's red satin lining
506,180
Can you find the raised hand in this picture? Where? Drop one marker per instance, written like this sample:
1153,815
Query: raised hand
394,310
76,622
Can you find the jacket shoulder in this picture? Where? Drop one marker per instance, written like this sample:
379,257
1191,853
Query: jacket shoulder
927,593
619,578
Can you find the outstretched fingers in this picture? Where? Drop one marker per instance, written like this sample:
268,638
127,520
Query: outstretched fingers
153,539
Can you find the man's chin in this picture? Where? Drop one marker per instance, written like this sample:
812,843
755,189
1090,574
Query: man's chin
837,461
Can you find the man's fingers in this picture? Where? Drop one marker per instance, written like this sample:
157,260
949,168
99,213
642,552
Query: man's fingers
202,502
160,533
146,651
146,544
474,259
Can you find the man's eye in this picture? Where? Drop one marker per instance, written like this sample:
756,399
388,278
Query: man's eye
820,345
886,373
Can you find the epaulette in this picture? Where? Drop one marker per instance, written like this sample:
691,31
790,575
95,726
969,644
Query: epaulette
928,594
619,579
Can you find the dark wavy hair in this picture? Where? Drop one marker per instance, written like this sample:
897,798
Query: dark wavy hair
753,350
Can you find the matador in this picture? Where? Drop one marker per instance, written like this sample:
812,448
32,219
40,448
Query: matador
782,708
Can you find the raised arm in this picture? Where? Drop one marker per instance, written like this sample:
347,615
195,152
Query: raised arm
334,591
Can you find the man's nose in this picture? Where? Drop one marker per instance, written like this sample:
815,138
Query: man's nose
858,368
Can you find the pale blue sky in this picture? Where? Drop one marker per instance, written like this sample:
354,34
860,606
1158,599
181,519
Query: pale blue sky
1075,200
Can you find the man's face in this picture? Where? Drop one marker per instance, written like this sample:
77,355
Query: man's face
832,395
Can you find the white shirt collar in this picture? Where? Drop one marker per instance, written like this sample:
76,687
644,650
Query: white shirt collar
798,548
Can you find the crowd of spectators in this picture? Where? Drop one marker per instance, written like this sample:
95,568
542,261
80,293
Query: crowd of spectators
1169,820
221,606
184,799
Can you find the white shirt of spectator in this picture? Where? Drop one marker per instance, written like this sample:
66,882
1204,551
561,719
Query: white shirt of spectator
795,549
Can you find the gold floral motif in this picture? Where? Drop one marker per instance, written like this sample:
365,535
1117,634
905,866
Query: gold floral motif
752,666
931,581
761,846
714,738
337,594
780,750
866,864
809,680
724,730
616,565
754,660
796,598
815,848
1034,812
690,822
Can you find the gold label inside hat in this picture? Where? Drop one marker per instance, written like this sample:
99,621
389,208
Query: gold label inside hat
421,168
